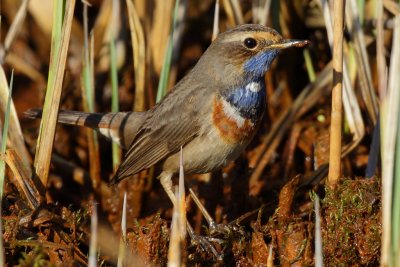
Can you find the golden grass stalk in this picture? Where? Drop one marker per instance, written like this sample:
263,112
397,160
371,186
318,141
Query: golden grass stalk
59,51
335,150
390,118
139,56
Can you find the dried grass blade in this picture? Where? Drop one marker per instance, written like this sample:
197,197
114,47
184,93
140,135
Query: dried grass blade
88,101
216,21
15,28
4,137
319,259
122,240
116,150
390,111
3,165
260,11
229,12
93,237
60,42
350,103
237,11
380,51
164,77
22,179
175,242
16,139
367,89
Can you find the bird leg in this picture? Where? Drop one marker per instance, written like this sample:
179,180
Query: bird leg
212,225
166,182
204,242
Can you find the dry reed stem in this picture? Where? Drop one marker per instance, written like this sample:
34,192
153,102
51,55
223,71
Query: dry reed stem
139,54
52,101
335,150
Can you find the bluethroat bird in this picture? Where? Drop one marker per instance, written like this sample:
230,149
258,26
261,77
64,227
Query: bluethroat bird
213,112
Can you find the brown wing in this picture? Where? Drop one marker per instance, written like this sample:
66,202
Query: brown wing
170,125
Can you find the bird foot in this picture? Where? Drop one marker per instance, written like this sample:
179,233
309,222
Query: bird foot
223,229
206,244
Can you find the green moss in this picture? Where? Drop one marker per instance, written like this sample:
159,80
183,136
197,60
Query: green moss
351,225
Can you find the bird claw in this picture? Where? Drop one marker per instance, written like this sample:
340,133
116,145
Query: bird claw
205,243
223,229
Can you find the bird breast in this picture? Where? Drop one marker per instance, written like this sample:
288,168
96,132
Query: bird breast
231,126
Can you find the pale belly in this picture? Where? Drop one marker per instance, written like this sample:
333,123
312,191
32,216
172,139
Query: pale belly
205,153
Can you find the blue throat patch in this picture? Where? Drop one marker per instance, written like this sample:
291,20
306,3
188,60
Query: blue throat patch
249,104
258,65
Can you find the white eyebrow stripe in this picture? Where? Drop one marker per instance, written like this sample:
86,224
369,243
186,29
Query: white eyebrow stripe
238,37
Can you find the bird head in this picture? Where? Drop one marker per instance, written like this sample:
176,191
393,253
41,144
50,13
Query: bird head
246,51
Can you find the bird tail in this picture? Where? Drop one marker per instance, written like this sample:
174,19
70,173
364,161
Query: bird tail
121,127
91,120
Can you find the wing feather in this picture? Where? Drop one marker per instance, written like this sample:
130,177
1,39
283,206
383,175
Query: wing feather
170,125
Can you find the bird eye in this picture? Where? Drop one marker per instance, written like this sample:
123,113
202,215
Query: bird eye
250,43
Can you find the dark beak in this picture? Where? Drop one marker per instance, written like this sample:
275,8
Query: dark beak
289,43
